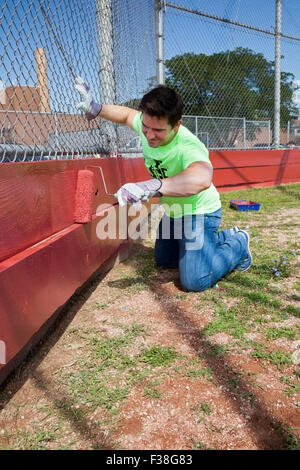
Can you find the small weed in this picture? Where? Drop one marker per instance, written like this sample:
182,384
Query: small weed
216,350
233,382
248,396
292,442
200,446
292,385
101,306
152,393
205,408
159,356
281,267
181,296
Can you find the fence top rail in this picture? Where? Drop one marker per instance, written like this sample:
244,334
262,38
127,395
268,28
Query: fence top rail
49,113
224,117
226,20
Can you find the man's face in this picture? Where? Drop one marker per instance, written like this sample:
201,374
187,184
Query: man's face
158,131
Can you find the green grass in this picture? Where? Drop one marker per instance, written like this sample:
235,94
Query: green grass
282,332
158,356
279,358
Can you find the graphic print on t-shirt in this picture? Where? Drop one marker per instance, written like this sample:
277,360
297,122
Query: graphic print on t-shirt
157,172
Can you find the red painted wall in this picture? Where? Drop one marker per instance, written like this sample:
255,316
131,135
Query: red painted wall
248,168
45,257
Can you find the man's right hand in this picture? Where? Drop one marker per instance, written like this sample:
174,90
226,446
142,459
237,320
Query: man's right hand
133,193
88,105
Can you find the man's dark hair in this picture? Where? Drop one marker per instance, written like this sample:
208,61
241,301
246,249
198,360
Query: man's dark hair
163,102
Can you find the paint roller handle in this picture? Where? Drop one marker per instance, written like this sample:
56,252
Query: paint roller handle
88,105
133,193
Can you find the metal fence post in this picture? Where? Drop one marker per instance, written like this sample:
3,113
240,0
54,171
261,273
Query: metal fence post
159,24
288,131
277,75
104,21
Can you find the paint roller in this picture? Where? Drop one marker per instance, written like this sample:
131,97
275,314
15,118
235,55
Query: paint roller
84,195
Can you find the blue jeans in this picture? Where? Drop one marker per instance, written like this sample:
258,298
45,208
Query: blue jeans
202,254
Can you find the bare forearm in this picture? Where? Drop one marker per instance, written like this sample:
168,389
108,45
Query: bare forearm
117,114
193,180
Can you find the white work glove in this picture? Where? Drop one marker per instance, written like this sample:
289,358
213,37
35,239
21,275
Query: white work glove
88,105
133,193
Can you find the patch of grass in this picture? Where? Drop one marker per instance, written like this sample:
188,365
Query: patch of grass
158,356
36,438
204,372
295,311
215,350
296,285
293,385
279,358
99,380
100,306
233,382
133,282
146,264
234,321
233,289
292,442
89,388
282,332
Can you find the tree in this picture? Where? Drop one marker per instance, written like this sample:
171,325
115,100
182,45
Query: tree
238,83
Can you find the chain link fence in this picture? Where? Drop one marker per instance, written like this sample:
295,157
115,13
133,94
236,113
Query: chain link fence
225,70
226,132
44,46
222,67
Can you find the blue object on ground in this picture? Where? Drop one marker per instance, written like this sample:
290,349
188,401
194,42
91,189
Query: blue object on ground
244,205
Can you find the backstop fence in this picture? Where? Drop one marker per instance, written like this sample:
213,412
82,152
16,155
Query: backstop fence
222,62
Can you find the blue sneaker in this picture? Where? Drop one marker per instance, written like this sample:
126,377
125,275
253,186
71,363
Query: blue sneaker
247,261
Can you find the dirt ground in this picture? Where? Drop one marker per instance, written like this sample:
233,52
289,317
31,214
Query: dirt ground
203,391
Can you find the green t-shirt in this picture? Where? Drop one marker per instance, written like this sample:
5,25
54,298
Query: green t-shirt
169,160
